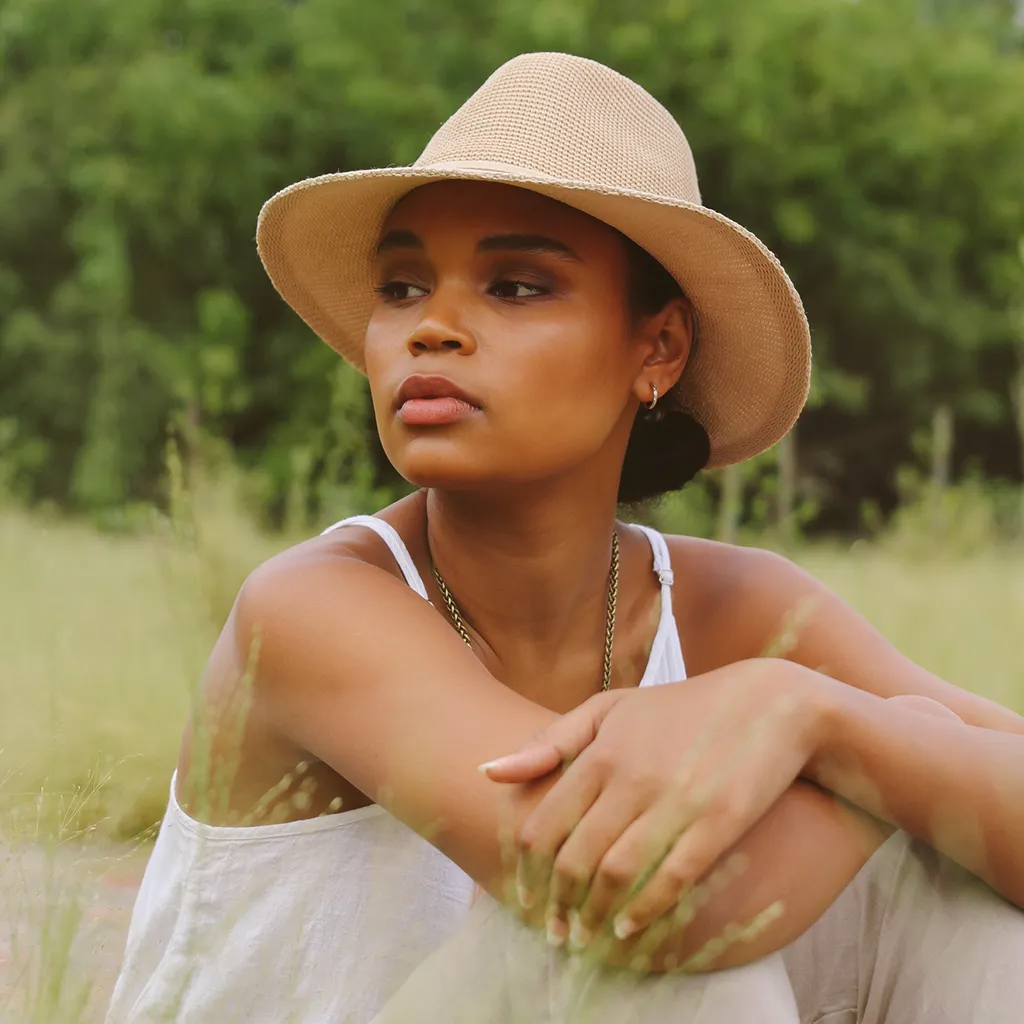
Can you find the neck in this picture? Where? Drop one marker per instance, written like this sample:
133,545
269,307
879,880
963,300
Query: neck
529,566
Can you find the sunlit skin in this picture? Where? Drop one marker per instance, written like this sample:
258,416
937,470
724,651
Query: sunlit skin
520,303
539,336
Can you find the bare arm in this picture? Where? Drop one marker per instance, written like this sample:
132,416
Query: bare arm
359,671
959,789
763,603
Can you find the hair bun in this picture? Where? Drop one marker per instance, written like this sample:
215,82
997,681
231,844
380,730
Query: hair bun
664,453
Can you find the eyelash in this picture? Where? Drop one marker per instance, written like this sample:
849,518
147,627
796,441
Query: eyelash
388,289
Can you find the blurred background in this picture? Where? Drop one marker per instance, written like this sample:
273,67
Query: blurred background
878,147
166,422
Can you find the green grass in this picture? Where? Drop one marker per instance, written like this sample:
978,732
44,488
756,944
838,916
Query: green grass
961,618
103,636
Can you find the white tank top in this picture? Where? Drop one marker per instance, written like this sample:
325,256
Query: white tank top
312,922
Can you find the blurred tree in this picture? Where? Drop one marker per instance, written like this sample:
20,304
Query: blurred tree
876,146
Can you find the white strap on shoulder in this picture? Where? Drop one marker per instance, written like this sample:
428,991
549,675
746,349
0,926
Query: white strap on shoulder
666,663
662,561
396,545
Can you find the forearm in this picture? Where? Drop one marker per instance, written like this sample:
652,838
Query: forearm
958,787
798,859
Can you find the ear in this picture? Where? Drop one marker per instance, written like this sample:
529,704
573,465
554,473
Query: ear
666,339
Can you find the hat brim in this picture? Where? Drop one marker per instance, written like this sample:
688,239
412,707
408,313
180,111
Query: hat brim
748,379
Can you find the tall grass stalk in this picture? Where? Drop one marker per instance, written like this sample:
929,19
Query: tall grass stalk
104,638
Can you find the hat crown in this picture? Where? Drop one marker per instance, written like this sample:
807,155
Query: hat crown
572,119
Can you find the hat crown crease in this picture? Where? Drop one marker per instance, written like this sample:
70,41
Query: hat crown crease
571,119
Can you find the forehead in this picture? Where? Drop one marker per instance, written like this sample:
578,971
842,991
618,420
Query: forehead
479,208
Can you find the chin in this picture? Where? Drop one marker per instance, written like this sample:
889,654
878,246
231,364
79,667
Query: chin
451,462
444,466
443,478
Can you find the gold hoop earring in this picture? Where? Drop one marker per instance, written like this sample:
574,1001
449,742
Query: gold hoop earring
654,400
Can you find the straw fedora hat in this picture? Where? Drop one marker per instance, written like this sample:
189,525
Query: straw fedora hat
576,131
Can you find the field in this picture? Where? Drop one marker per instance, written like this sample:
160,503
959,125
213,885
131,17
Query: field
102,636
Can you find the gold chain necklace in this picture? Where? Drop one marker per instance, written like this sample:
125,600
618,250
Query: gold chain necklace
609,630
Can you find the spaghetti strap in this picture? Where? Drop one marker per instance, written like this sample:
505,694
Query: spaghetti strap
666,663
396,545
662,560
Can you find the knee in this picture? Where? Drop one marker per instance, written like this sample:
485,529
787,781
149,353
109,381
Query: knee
915,881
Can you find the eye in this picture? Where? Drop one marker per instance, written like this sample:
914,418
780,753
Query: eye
399,291
517,289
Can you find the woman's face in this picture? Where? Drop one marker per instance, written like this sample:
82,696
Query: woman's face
500,349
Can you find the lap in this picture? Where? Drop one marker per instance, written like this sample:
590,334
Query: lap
912,939
498,971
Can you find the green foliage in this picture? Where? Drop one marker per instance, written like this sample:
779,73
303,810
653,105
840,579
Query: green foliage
964,520
876,146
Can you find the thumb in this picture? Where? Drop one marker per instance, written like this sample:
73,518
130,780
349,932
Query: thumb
554,746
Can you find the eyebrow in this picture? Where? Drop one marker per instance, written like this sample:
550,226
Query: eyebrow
399,240
532,244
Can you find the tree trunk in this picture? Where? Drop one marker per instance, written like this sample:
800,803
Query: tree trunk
1017,396
942,459
730,504
1017,384
786,495
296,513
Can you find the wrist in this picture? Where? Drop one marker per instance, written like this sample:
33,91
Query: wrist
822,698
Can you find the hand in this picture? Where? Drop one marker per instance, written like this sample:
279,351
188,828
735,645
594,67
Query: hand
657,785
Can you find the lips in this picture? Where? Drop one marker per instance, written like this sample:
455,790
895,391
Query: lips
433,401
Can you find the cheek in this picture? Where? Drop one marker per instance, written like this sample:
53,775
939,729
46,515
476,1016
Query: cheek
567,388
379,346
382,349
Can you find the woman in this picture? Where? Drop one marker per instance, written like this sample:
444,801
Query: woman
551,323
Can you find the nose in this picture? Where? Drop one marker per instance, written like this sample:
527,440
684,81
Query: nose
441,328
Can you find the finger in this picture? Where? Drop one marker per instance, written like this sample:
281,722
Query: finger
581,853
733,933
644,947
692,856
557,745
549,824
624,870
532,761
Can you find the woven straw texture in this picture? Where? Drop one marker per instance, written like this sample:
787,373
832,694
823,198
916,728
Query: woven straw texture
576,131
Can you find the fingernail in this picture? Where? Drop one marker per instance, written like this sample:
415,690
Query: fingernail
484,768
524,895
624,927
557,931
579,935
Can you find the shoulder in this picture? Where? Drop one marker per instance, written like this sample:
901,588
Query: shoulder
336,554
728,571
313,586
735,602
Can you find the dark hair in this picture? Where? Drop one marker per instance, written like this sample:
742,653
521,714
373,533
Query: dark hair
667,447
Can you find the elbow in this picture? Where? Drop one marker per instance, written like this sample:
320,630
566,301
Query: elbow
925,705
